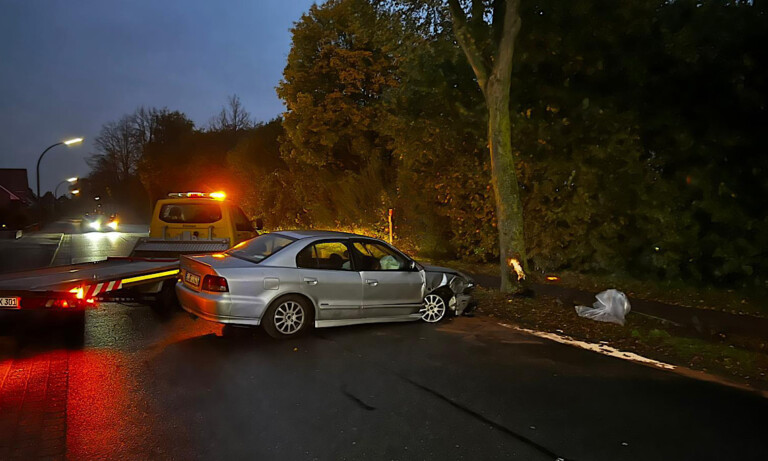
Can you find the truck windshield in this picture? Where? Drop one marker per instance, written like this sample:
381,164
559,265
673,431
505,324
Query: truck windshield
261,247
190,213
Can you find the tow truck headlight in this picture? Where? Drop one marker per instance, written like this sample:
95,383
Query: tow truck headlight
112,225
95,225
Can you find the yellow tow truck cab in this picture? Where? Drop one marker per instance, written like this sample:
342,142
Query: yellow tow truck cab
195,222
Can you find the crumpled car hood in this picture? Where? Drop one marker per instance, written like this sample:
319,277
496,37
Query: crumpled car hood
441,276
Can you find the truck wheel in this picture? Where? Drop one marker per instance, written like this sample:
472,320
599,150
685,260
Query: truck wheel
166,300
288,317
73,327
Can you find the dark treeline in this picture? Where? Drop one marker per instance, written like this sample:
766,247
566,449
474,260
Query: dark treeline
640,129
147,154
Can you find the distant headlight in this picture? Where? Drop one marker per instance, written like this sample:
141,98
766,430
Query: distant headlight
112,225
95,225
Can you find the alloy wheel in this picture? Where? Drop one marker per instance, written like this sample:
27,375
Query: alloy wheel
434,308
289,317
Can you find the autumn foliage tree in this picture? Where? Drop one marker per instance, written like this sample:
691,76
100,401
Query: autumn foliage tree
340,66
636,134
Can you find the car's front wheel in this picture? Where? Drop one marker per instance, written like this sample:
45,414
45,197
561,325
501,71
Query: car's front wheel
435,308
287,317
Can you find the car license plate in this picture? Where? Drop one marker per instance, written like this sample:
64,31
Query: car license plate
192,279
9,303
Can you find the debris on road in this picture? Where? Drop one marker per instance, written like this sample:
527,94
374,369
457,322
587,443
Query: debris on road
611,306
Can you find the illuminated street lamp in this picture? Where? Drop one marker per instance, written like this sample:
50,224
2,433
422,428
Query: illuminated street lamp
56,190
68,142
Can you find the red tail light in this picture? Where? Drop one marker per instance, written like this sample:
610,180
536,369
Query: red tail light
215,283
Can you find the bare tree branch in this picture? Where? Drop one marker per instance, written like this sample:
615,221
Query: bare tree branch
119,149
502,68
468,43
232,117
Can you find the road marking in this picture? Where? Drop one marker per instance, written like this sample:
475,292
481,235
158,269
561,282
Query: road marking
599,348
632,357
56,252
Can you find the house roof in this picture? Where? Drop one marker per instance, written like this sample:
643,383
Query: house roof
13,181
11,195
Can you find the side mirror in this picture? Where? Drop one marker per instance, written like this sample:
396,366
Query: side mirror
258,224
412,266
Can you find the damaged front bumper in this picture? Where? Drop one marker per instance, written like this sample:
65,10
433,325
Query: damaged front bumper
462,304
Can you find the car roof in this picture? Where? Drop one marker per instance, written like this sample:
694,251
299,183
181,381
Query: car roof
302,234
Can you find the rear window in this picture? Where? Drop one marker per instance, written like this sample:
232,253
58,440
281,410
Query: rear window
261,247
191,213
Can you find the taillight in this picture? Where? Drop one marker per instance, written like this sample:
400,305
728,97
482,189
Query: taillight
215,283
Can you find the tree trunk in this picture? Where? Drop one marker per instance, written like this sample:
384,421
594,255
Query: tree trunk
509,206
494,76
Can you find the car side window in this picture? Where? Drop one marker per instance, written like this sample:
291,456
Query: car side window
325,255
378,257
241,220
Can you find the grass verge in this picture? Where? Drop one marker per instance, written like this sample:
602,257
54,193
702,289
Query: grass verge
746,364
744,301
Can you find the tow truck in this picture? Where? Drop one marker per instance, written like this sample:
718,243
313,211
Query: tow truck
183,223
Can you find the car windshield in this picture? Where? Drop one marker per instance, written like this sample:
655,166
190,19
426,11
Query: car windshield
261,247
190,213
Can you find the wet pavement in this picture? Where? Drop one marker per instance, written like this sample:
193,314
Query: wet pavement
147,385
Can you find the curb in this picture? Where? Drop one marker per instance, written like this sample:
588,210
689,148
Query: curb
701,322
11,234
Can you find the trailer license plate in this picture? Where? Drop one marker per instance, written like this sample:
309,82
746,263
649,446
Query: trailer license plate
9,303
192,279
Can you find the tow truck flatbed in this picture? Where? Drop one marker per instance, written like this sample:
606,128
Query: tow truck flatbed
94,278
183,223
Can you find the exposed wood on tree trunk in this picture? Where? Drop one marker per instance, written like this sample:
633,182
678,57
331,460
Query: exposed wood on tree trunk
494,76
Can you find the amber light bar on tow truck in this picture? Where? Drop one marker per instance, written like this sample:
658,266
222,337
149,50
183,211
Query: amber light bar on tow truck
213,195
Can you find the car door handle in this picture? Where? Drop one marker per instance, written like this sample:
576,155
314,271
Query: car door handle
372,283
310,281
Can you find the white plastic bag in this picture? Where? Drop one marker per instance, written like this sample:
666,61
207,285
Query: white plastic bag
611,306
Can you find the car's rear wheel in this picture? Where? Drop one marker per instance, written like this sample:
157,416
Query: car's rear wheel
435,308
287,317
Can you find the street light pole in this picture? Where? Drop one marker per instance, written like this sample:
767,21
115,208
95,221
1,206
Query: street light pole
56,190
68,143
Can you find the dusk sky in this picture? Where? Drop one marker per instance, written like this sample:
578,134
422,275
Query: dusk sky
70,66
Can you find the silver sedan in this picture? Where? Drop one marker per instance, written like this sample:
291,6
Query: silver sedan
289,281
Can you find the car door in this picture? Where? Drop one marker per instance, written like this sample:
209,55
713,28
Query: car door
243,227
327,276
391,288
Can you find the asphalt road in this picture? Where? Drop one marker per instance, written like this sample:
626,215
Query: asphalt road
146,385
